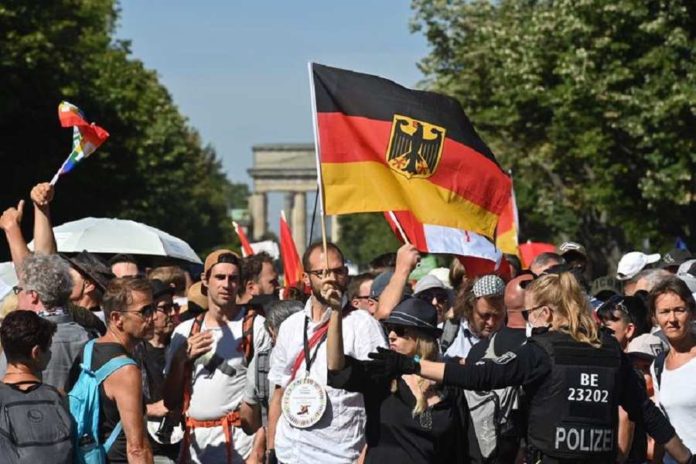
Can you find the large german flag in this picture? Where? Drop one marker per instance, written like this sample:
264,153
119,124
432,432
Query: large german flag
383,147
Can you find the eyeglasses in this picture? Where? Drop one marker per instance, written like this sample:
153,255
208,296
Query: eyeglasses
614,303
526,311
144,312
361,297
399,330
322,273
167,308
17,289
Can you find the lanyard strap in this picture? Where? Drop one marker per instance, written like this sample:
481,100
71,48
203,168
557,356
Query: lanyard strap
316,341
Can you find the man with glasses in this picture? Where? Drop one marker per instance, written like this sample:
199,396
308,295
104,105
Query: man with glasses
359,292
335,434
44,287
164,440
129,310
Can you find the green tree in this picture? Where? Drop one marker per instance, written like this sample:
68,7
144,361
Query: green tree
591,103
154,167
365,236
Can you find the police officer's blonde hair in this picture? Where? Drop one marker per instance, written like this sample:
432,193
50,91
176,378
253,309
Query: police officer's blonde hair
564,295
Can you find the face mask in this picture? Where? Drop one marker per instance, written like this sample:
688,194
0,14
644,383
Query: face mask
528,328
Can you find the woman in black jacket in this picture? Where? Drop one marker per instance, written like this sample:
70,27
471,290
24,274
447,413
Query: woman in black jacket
410,419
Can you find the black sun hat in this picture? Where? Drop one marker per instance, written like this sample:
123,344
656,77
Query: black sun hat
415,313
91,266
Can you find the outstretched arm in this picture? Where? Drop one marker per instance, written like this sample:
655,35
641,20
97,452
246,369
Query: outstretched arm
44,240
10,222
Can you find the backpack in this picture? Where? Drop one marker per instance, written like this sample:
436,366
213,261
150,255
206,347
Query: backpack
84,408
35,426
659,366
491,411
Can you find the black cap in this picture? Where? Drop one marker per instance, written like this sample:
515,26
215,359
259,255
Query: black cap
675,258
91,266
159,288
416,313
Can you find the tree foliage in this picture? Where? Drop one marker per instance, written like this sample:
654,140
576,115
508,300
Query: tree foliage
591,103
154,167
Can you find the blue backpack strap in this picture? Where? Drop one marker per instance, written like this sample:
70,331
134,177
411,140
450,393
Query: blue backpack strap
112,437
111,366
87,355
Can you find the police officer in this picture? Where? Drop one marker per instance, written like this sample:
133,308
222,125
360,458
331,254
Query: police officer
574,377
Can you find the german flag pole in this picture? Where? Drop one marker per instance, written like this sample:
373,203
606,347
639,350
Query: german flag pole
396,222
317,151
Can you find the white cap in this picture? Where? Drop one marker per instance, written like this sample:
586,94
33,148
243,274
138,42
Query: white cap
426,283
634,262
646,345
684,274
442,273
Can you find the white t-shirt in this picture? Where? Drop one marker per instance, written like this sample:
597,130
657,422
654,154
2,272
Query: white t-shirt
678,397
339,435
217,393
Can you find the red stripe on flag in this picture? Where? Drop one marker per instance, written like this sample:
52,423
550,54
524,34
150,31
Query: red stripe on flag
243,240
346,139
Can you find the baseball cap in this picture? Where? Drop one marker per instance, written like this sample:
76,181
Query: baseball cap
688,275
220,256
675,257
488,285
381,282
606,286
634,262
645,346
570,248
426,283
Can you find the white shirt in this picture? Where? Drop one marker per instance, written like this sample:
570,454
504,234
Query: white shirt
678,397
462,344
339,435
217,393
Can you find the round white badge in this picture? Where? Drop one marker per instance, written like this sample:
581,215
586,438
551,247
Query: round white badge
304,402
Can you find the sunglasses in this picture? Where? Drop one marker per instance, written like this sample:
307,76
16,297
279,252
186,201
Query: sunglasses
167,308
614,303
144,312
525,312
428,295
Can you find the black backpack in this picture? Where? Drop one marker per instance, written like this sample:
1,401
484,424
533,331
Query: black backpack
35,425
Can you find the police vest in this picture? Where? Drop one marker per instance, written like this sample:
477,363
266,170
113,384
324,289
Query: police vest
574,414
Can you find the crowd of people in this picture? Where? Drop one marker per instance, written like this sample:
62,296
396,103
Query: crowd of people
109,361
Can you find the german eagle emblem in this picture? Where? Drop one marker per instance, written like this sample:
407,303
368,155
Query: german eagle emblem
415,147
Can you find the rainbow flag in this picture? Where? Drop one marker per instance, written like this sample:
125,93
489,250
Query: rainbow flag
86,137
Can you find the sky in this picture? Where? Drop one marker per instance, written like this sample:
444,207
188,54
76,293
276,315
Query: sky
238,69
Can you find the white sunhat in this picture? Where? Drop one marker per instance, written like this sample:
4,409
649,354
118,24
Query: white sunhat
634,262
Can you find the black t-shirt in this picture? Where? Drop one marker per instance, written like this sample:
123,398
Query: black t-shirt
108,412
393,434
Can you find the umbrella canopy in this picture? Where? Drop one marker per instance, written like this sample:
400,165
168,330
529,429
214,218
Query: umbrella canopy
108,235
8,278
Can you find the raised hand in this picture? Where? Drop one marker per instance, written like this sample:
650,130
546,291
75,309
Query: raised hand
390,364
12,217
42,194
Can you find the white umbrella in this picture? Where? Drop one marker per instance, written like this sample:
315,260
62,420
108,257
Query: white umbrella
108,235
8,278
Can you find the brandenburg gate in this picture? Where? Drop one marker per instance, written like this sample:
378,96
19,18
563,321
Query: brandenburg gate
289,168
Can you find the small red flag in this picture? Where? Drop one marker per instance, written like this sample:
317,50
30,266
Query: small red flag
246,247
531,250
292,266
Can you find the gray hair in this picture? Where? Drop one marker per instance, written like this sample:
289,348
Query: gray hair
49,276
547,259
652,277
278,311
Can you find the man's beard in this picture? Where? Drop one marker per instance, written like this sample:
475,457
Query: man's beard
316,291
